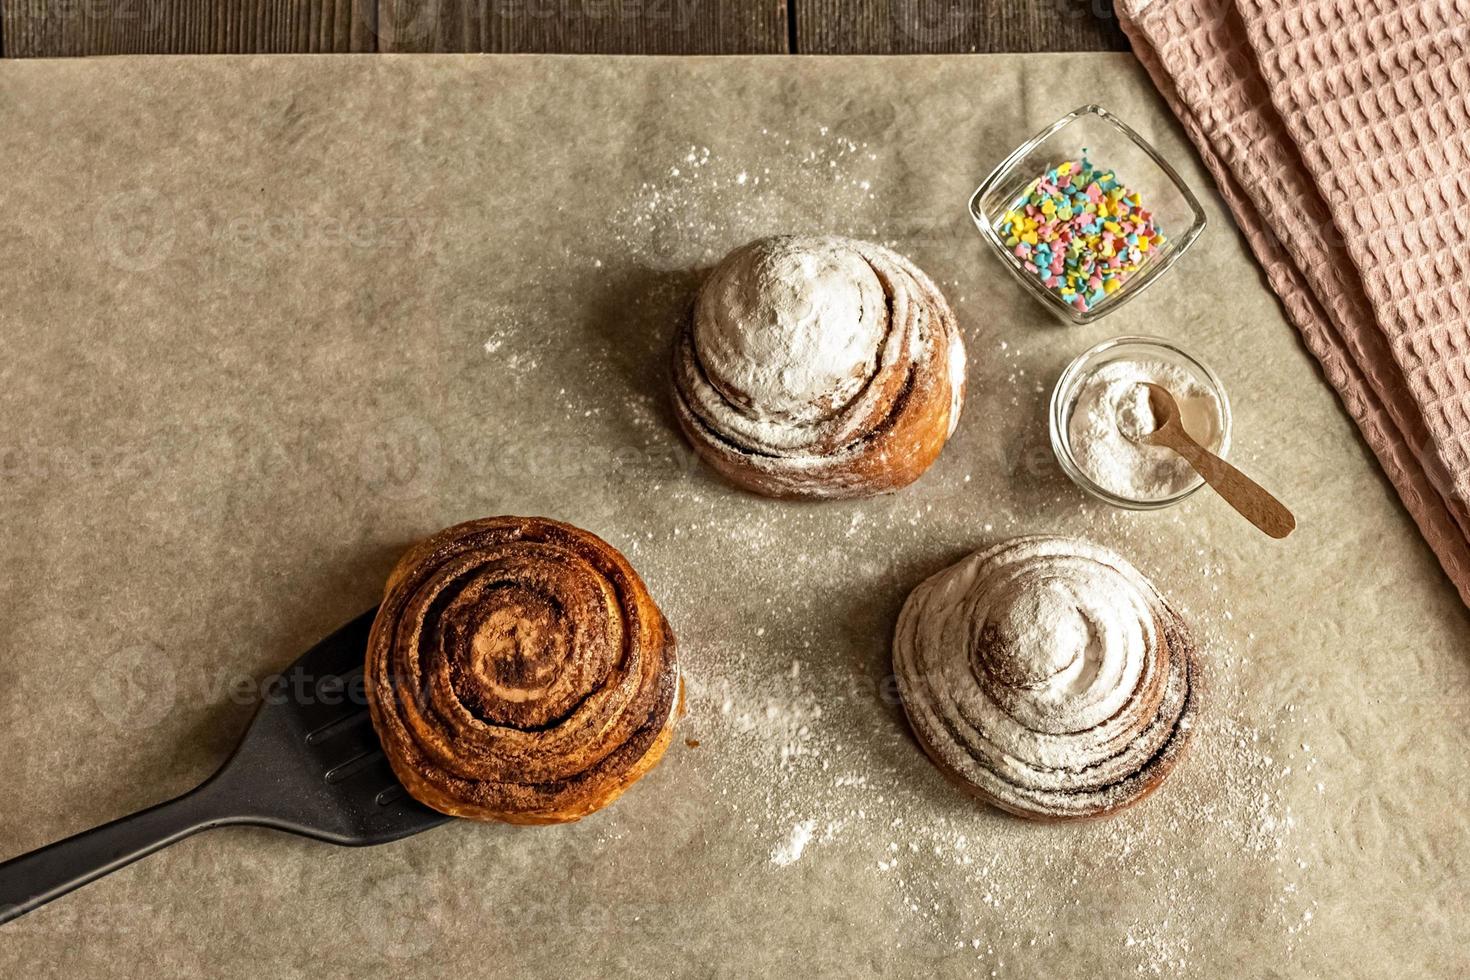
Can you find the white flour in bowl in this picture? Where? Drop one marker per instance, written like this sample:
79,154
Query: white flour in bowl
1111,411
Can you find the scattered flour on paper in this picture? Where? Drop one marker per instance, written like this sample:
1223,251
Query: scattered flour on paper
789,850
810,752
708,202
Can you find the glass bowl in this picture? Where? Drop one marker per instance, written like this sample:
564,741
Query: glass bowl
1112,144
1064,398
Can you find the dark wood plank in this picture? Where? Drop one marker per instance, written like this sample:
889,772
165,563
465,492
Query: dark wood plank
59,28
53,28
585,26
929,26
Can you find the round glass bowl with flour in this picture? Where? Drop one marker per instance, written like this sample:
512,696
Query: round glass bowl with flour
1099,408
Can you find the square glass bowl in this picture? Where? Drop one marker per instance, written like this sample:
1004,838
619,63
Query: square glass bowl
1109,143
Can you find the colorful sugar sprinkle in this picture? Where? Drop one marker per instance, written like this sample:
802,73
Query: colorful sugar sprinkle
1080,232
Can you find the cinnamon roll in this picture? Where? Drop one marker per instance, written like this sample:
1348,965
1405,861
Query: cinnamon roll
819,367
518,670
1047,676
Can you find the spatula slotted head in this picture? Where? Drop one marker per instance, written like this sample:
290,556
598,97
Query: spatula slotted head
311,762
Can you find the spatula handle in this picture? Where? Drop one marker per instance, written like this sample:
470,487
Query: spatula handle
31,880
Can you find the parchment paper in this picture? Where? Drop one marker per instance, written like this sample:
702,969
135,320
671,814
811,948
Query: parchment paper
266,321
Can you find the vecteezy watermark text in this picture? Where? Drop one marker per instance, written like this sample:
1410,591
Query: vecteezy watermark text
139,230
299,232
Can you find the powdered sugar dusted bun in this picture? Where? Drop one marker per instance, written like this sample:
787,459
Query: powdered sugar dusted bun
1048,676
819,367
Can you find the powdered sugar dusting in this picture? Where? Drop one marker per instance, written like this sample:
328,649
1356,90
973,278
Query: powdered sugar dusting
790,327
814,365
791,695
815,746
1049,673
709,202
789,850
1110,414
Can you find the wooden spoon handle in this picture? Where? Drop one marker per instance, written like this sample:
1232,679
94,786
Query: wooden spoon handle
1253,501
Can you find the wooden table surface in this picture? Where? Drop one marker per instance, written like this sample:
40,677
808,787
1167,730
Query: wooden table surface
62,28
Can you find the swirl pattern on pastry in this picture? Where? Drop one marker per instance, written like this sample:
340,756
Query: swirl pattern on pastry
819,367
1047,675
518,670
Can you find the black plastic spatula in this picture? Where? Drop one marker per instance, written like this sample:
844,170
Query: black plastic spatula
310,764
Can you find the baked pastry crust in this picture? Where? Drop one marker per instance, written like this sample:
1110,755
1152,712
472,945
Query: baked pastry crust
518,670
1048,677
819,367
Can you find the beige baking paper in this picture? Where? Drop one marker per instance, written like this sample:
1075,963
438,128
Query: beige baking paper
268,320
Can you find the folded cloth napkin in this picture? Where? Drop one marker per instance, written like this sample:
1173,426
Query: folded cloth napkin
1339,134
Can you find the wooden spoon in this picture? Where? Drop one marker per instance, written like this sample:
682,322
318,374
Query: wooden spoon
1240,491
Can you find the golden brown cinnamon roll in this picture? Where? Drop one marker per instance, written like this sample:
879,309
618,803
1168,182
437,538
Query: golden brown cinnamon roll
1047,676
518,670
819,367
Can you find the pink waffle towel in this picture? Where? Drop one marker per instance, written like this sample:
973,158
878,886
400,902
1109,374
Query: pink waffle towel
1339,134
